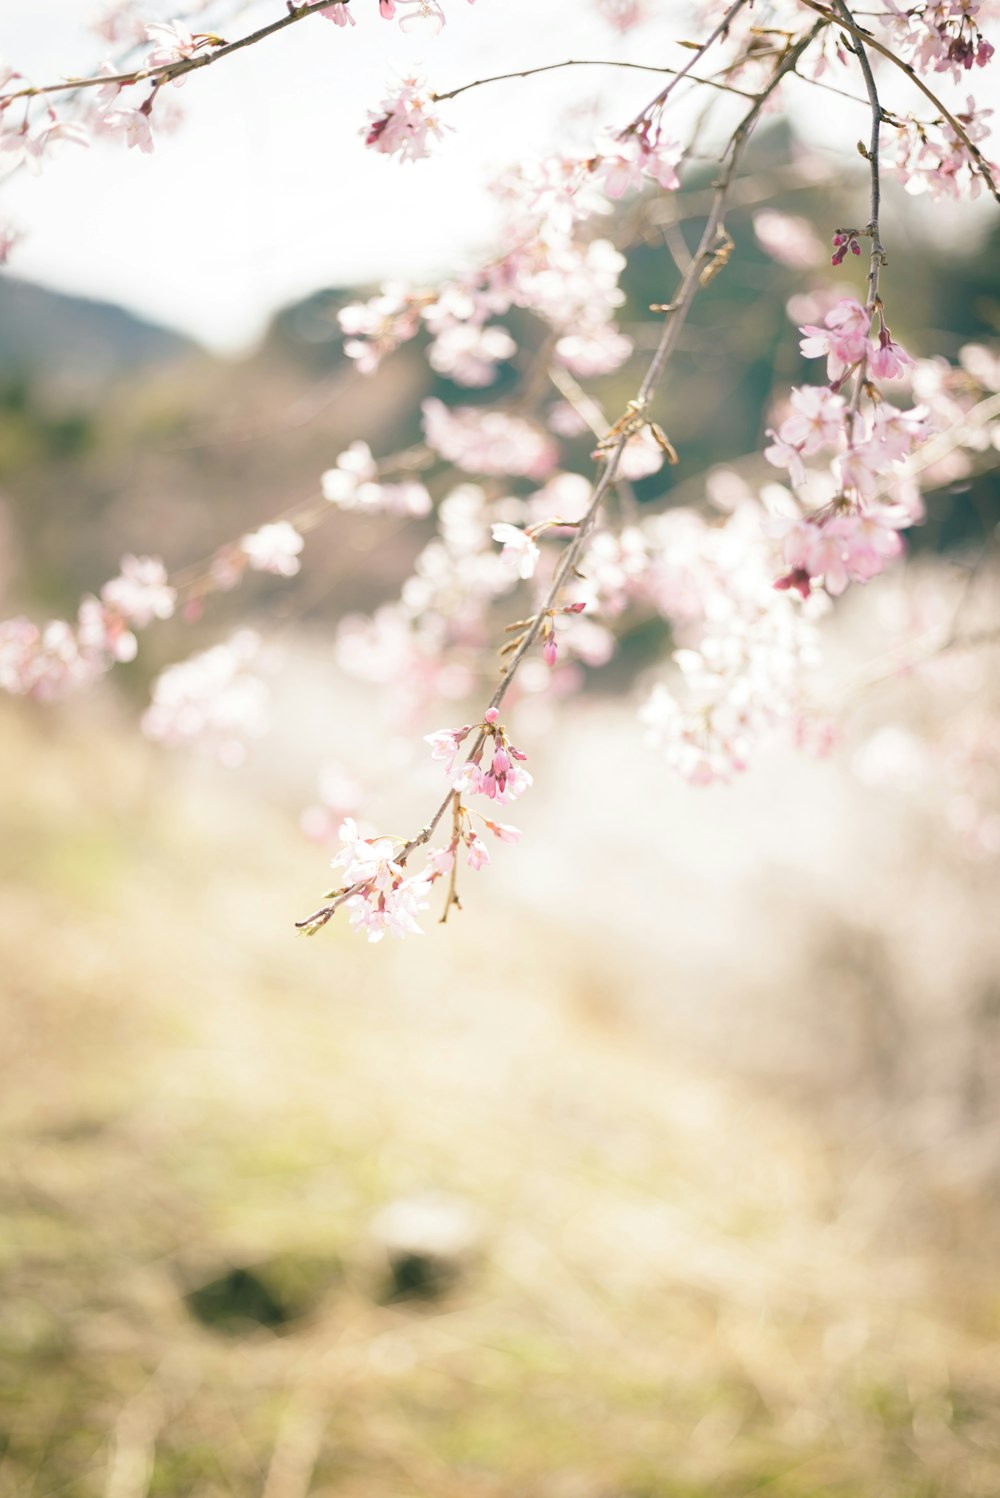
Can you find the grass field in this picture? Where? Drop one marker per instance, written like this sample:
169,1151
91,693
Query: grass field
675,1282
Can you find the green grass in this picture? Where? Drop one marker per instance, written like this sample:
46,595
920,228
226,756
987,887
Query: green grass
201,1117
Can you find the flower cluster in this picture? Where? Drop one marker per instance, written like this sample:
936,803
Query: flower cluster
483,441
940,35
929,156
353,484
851,537
406,124
384,898
215,700
50,661
498,774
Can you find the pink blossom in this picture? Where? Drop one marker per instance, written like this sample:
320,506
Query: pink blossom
389,901
133,124
214,700
479,854
274,548
445,744
844,339
594,351
817,420
406,123
21,148
393,909
101,631
141,593
641,456
174,43
503,780
339,14
519,549
635,160
420,14
785,455
488,441
469,354
441,861
504,831
889,360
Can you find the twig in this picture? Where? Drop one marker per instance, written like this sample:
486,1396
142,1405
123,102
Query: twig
683,72
590,62
877,258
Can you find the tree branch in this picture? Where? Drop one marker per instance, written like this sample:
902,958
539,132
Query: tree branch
705,261
871,41
166,72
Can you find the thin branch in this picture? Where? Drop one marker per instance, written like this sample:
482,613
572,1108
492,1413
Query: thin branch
708,257
588,62
866,37
168,71
877,257
683,72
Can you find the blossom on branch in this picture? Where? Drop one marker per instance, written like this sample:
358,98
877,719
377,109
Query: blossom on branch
406,124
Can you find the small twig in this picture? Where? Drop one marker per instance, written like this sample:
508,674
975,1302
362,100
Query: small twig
684,72
589,62
456,834
877,257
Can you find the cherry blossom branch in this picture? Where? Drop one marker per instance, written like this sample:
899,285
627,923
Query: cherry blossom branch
869,40
877,258
710,256
587,62
667,90
166,72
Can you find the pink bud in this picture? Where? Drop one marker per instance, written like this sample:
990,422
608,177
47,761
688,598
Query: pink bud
491,715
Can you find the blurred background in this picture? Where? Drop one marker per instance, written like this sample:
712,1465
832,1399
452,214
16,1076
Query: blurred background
670,1167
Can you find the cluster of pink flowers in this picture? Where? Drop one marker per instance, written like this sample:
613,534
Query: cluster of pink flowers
406,123
495,767
353,484
940,35
414,15
489,441
746,654
27,145
387,899
631,161
840,546
546,264
851,537
57,658
625,15
930,157
215,700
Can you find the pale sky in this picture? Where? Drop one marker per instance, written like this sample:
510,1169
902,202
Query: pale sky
266,192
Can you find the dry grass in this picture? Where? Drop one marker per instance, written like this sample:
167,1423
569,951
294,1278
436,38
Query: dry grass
684,1286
